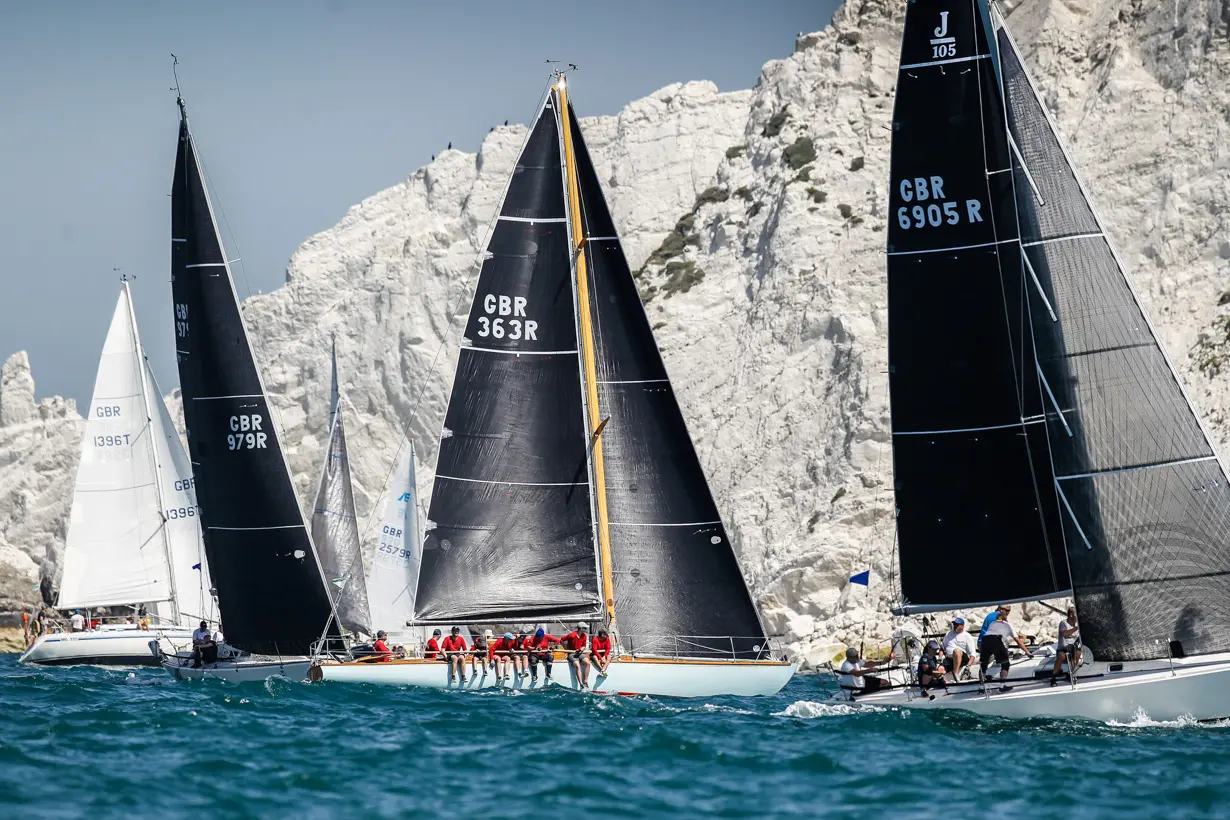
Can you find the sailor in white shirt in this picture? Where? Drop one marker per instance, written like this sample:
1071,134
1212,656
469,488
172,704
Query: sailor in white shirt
78,621
1068,646
961,647
854,676
993,646
204,650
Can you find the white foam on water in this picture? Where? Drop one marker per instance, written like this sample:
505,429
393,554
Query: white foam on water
812,709
1141,720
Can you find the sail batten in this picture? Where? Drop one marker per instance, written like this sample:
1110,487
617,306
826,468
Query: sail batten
270,586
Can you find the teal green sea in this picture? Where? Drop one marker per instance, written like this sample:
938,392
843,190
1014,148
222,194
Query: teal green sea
86,742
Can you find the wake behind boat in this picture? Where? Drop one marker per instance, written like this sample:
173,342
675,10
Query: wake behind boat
134,535
271,588
1042,442
567,488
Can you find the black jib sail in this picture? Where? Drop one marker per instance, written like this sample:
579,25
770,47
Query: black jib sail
335,528
1146,502
972,469
509,527
270,589
677,585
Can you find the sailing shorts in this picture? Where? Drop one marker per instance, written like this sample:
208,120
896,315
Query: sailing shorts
993,647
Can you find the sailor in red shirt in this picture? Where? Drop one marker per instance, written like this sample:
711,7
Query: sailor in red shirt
499,655
575,642
521,661
600,651
381,647
454,647
540,650
432,650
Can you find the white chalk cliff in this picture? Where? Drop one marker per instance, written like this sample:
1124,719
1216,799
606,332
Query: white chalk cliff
758,219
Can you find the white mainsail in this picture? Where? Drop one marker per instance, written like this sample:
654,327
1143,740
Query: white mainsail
393,578
132,536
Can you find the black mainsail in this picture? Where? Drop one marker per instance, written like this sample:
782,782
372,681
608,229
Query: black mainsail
270,589
335,526
1146,503
971,461
674,573
509,526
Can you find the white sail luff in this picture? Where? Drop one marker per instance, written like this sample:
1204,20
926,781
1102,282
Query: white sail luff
182,522
114,553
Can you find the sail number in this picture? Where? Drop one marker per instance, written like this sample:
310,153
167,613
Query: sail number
502,320
246,433
181,320
111,441
936,211
183,512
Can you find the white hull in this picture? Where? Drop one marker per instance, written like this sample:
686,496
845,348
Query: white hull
672,678
1196,688
104,647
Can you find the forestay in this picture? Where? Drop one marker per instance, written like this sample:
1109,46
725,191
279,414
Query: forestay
1146,502
509,525
335,528
977,514
676,581
270,587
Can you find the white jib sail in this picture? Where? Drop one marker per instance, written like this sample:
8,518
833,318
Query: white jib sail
395,566
115,552
193,589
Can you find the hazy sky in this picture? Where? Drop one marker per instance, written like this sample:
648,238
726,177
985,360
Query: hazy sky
300,110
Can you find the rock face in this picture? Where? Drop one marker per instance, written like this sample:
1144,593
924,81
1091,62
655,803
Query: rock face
757,221
38,460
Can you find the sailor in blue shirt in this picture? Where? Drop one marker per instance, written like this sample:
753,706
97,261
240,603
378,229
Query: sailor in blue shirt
992,616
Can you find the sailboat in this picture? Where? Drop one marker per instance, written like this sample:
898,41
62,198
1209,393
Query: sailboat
272,592
1043,445
134,535
567,488
335,528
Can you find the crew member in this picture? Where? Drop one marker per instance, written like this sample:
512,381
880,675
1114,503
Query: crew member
432,650
521,654
204,650
600,651
854,673
381,647
540,650
1068,646
499,655
578,661
454,647
961,647
482,643
993,646
77,621
930,668
991,618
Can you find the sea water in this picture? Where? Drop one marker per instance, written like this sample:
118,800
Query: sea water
100,743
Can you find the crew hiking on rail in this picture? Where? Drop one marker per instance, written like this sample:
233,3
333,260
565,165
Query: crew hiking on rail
512,655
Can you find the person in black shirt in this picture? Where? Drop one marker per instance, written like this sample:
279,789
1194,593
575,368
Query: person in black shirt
931,669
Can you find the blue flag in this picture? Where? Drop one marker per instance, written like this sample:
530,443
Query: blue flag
863,578
196,566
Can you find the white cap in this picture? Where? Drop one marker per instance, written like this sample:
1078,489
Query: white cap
488,634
